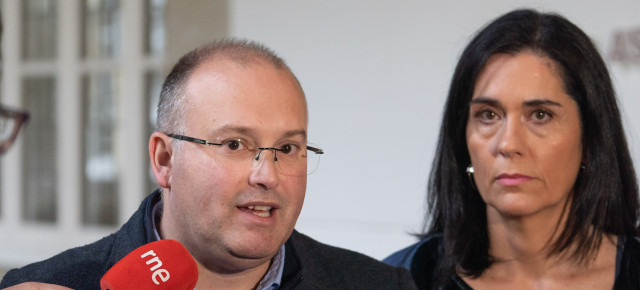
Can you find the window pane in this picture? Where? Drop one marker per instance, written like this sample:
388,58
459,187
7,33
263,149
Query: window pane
100,192
153,85
39,25
100,29
39,201
155,35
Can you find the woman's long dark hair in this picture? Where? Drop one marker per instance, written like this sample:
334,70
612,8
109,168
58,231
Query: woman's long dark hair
605,198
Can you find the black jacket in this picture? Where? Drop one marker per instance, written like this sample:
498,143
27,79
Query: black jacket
308,263
423,258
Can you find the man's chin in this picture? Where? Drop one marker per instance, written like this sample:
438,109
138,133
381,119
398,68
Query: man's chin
239,260
256,252
255,244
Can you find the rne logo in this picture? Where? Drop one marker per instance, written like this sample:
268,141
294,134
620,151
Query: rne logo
157,273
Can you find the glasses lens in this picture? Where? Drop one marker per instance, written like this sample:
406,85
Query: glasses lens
297,165
6,127
236,153
313,160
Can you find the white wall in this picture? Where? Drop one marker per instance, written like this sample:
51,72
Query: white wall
376,74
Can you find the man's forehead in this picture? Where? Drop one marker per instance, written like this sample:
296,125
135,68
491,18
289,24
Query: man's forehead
242,79
233,98
216,71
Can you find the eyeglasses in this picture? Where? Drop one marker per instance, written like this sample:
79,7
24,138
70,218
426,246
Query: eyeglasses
10,123
290,159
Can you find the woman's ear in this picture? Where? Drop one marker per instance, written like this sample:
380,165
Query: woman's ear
161,156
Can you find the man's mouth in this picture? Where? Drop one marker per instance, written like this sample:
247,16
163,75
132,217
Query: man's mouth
260,210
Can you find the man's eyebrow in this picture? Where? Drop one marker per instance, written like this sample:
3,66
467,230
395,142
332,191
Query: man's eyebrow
232,129
252,132
293,133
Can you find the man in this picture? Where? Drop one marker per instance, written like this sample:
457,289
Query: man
230,156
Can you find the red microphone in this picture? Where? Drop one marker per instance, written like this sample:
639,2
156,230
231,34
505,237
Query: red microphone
164,264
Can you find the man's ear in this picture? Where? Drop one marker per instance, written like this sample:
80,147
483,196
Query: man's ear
161,156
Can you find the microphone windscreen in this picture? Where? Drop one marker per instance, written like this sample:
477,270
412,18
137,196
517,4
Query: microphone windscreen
164,264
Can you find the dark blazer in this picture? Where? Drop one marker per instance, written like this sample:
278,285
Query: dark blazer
308,263
423,259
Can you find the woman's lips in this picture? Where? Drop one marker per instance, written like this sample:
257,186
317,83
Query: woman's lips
512,179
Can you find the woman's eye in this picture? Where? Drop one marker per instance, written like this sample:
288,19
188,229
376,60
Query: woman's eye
540,115
487,115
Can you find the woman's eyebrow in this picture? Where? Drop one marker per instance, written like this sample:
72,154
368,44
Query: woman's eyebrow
528,103
486,101
540,102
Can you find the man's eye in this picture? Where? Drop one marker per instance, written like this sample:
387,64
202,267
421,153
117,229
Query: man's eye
235,144
287,148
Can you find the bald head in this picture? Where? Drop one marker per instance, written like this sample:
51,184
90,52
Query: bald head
172,108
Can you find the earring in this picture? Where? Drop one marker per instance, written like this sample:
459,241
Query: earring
470,170
583,166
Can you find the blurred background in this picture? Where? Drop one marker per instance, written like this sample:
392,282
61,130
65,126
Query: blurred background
376,74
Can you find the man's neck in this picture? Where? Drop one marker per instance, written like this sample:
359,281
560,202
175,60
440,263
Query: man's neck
247,279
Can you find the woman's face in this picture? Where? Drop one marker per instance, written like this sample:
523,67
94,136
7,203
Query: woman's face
523,136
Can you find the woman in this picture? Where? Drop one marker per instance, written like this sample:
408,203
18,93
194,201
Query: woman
532,185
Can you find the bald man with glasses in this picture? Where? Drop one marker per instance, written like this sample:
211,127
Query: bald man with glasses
231,156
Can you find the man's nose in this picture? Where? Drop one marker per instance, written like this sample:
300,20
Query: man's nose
264,172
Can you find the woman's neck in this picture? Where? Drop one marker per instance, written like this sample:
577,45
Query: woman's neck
521,247
523,238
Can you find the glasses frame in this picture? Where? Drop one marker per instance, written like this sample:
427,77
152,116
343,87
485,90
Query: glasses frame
20,118
315,150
